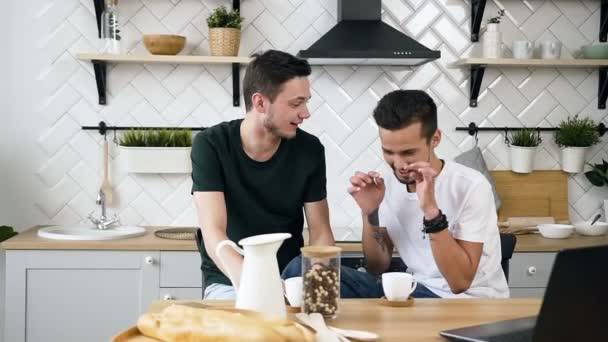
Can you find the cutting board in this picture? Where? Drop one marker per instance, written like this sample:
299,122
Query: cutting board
536,194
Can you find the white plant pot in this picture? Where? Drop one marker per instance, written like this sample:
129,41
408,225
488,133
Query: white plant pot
573,159
158,159
606,210
492,42
522,159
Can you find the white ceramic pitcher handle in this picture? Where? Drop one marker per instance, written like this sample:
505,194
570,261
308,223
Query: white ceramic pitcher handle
219,256
413,287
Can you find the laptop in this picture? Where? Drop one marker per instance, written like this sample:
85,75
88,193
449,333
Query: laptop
574,307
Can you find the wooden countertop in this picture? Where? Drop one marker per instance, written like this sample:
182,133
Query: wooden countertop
423,320
30,240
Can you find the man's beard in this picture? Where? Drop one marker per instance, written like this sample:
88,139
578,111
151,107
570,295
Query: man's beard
272,128
406,181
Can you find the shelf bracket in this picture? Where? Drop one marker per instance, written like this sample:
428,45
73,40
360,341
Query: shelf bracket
99,7
236,86
602,88
477,71
477,9
100,79
236,5
604,20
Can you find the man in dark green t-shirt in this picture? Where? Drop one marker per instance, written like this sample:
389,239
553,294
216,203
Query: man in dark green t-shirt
255,175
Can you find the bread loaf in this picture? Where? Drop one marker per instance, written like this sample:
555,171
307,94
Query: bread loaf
178,323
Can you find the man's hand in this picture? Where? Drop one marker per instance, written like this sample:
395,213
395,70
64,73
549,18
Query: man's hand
368,190
425,188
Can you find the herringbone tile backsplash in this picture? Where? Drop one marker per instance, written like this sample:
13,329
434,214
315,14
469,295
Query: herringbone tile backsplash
343,96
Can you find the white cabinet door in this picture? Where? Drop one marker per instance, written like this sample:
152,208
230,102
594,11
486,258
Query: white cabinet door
77,295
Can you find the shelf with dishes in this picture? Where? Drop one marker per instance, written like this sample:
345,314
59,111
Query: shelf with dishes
478,65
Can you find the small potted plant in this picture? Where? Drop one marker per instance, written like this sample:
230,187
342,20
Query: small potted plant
598,176
157,150
224,32
492,38
6,232
575,136
523,146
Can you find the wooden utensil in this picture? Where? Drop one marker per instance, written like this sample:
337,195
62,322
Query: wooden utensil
106,187
521,222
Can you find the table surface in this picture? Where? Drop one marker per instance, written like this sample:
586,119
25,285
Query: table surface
420,322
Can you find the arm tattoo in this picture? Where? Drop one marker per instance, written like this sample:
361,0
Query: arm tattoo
380,237
373,218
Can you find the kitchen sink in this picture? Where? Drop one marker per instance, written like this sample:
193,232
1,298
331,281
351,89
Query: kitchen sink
84,232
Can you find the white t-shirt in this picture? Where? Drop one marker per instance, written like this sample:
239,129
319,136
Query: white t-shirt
466,198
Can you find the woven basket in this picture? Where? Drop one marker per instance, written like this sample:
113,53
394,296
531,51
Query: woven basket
224,41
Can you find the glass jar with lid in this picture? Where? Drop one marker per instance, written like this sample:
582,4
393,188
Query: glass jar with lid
321,280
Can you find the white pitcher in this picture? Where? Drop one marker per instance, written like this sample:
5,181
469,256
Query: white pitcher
260,288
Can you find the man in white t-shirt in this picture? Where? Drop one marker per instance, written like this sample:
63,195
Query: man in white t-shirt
439,215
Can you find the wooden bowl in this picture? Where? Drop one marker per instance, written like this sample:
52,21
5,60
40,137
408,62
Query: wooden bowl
164,44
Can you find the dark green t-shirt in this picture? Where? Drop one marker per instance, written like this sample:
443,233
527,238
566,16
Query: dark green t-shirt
261,197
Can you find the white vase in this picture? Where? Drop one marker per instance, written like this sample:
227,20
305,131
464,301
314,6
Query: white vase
158,159
606,210
522,159
573,159
492,42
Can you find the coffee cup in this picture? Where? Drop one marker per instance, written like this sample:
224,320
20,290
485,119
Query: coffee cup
398,286
522,49
293,291
550,49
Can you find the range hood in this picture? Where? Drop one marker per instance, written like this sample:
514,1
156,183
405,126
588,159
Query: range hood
360,37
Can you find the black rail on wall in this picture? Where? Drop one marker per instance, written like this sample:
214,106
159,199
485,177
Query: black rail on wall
103,128
473,129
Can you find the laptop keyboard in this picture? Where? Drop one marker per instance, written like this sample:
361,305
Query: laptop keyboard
515,336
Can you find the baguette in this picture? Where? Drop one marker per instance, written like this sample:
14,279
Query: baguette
178,323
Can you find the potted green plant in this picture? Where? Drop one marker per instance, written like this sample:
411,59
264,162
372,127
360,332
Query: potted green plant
598,176
6,232
224,32
523,145
575,135
492,37
157,150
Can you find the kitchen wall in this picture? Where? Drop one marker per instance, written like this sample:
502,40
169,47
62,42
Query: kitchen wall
55,172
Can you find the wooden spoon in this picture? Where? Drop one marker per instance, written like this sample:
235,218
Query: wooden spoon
106,187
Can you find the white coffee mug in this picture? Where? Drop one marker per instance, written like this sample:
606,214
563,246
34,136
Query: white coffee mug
398,286
522,49
550,49
293,291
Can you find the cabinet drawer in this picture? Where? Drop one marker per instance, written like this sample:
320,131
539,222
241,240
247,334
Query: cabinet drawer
181,293
530,269
527,292
180,269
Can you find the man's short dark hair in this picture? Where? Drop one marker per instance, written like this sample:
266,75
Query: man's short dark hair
268,71
401,108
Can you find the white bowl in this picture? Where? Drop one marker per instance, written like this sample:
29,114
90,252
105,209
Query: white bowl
585,228
555,231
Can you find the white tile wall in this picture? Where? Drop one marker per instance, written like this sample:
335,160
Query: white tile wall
155,95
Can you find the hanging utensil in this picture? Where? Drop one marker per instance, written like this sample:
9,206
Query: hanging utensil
106,187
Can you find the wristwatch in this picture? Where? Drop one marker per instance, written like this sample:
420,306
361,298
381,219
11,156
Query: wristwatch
435,225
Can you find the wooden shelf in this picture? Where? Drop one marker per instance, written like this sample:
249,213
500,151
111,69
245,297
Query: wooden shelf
563,63
479,65
100,60
179,59
478,7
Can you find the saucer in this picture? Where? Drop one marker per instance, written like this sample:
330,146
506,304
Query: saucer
397,303
293,309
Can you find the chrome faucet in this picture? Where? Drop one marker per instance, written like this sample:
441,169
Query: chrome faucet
103,222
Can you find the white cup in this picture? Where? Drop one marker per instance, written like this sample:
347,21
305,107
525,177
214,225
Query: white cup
293,291
550,49
522,49
398,286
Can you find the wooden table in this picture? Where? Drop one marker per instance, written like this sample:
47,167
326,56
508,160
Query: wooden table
423,320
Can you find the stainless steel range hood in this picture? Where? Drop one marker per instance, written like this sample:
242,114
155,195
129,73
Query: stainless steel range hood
360,37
